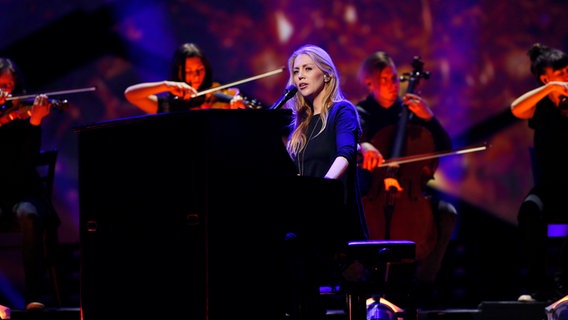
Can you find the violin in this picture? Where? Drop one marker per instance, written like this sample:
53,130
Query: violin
22,109
248,103
22,105
217,96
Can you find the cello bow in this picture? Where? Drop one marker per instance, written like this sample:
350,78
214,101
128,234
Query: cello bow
433,155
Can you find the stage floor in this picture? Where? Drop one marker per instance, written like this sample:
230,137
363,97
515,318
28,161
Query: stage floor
488,310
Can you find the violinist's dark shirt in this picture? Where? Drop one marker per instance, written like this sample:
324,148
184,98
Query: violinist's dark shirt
173,104
19,179
20,143
550,163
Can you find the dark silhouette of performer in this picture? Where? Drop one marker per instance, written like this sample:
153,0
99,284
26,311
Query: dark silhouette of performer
547,113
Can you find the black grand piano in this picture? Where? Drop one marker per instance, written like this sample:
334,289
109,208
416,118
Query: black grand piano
182,214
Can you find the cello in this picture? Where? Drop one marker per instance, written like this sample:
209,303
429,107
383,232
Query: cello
403,214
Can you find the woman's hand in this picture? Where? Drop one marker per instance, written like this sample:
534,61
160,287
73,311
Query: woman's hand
3,95
237,102
40,109
181,89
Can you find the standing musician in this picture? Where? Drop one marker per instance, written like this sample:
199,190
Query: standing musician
380,112
546,110
190,73
24,204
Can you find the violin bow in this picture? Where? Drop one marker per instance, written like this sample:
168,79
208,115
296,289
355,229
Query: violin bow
71,91
263,75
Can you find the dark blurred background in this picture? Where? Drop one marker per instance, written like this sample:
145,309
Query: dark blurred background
475,51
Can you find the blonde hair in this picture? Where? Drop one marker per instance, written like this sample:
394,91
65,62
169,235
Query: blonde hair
302,111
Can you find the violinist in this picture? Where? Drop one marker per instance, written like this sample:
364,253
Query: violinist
190,74
379,112
547,113
24,205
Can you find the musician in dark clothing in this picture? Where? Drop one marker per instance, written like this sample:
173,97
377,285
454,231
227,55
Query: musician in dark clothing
375,117
379,114
190,74
325,130
547,113
323,144
24,204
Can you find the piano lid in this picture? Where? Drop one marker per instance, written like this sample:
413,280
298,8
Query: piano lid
242,141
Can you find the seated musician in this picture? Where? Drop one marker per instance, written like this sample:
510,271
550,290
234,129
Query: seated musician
24,203
191,73
379,112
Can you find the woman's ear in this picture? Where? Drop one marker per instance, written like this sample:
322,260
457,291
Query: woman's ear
544,79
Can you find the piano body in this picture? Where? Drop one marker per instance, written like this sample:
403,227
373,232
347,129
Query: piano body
182,214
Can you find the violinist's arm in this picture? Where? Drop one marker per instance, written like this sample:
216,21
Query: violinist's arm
524,106
144,95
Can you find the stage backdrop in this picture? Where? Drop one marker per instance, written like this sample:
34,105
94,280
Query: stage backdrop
475,52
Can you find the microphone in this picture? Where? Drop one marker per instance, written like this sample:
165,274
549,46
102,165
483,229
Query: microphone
289,92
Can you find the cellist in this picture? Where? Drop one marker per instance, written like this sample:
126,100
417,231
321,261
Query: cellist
380,111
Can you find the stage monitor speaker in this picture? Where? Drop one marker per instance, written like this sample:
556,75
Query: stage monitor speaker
499,310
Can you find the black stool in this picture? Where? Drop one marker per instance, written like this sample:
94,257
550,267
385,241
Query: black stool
379,269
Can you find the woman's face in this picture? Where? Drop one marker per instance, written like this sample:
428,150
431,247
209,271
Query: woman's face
7,85
194,72
308,78
551,74
555,75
